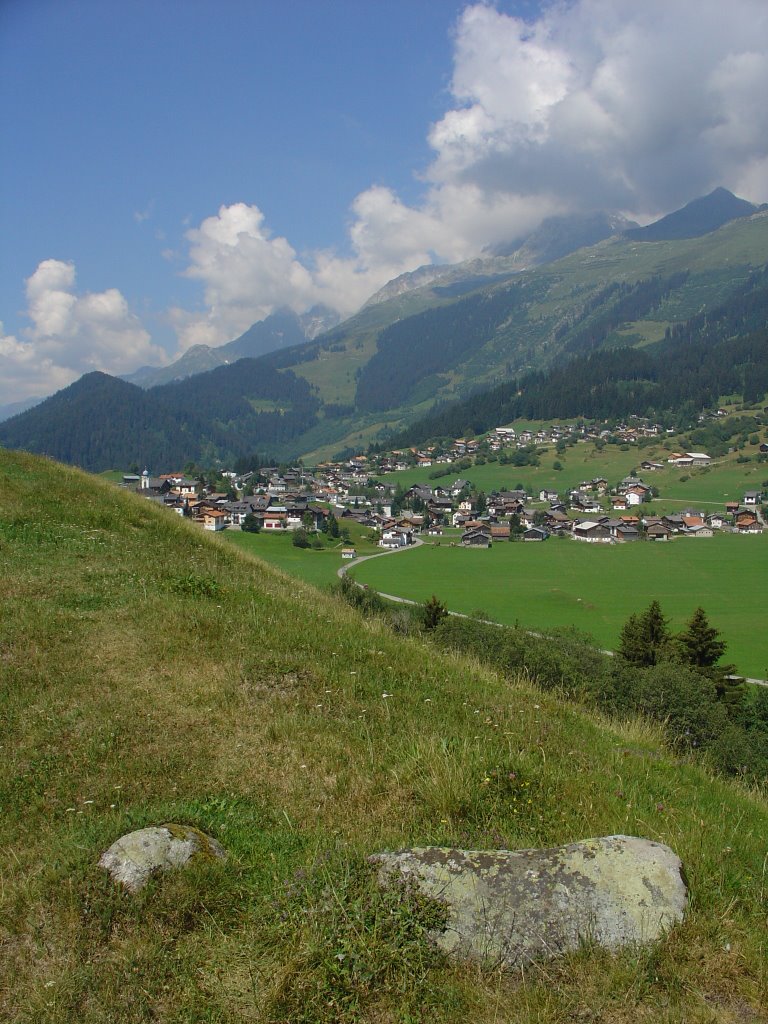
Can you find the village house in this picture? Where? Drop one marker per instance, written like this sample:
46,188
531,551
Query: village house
535,533
591,532
479,536
214,519
396,537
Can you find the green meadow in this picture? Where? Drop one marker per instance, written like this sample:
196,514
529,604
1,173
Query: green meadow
596,587
151,673
725,480
316,567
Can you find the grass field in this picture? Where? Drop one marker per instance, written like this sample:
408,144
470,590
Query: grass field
316,567
152,673
596,587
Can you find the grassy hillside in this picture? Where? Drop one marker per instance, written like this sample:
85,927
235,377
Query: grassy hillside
150,674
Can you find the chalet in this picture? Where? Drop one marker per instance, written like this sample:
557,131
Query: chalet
500,532
584,502
717,521
275,520
556,517
651,467
700,530
691,522
180,483
238,510
175,502
421,491
658,531
753,498
546,495
749,527
477,538
592,533
458,486
535,533
214,519
689,459
746,521
619,502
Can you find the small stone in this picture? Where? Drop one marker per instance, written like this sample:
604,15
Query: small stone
135,857
513,907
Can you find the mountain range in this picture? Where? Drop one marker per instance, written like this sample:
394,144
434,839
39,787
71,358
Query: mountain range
279,330
438,335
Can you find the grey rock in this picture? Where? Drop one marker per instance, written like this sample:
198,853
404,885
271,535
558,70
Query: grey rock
513,907
135,857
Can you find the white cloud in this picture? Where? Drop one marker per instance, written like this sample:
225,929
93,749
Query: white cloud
597,104
70,335
607,103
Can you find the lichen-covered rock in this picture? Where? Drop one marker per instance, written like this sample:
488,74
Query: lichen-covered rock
513,907
133,858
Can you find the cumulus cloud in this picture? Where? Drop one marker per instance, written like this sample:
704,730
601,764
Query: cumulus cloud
71,334
608,103
596,104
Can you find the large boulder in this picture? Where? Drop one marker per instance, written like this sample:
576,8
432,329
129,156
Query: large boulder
513,907
135,857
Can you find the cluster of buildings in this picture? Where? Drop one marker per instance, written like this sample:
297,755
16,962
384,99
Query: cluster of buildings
501,438
294,498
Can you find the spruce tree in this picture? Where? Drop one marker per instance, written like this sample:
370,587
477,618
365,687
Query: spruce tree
699,642
645,639
701,648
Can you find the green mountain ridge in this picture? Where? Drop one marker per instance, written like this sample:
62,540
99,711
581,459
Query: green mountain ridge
391,362
282,329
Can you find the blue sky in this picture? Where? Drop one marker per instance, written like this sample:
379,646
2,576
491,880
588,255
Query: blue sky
173,171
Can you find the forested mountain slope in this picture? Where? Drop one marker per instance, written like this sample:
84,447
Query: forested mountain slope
711,354
388,365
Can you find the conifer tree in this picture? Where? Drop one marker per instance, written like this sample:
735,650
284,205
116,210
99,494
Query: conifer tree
701,648
645,639
699,642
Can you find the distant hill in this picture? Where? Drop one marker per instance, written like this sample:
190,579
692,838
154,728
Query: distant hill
14,408
697,218
279,330
101,422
